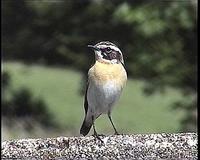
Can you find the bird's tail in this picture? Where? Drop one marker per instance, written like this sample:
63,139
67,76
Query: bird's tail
85,128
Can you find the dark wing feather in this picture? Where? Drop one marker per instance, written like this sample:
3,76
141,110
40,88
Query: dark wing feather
86,101
123,65
85,128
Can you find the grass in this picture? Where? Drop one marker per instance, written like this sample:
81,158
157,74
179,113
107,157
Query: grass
59,88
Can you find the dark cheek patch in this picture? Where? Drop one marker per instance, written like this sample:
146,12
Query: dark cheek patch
113,55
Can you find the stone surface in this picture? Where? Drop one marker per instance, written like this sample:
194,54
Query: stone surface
142,146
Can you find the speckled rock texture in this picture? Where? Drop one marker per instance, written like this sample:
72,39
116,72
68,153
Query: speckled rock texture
179,146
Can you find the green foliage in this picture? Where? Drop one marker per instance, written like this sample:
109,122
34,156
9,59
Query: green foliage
21,104
163,29
188,122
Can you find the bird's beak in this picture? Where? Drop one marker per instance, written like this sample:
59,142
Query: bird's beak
93,47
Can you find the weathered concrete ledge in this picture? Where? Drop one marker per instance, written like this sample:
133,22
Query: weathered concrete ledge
142,146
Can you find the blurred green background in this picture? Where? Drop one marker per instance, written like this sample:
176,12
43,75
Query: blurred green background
46,59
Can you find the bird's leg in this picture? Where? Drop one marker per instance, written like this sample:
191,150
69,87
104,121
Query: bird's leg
109,116
95,132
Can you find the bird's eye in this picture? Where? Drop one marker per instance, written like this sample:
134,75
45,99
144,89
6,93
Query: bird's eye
108,49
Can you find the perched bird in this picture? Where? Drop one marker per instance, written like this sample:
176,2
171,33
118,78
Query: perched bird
106,79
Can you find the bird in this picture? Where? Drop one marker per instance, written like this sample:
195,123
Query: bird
106,80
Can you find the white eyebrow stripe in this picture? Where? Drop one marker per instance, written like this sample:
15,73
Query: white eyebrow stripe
115,48
102,46
111,46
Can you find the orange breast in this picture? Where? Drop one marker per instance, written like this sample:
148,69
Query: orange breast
101,73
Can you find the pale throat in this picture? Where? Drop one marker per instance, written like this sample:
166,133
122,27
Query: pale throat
113,61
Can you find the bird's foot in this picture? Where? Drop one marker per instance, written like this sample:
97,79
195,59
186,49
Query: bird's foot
116,133
103,135
95,135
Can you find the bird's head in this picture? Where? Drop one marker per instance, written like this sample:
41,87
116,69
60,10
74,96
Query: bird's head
107,52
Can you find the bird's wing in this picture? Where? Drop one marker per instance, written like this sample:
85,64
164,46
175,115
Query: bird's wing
123,65
85,127
86,101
